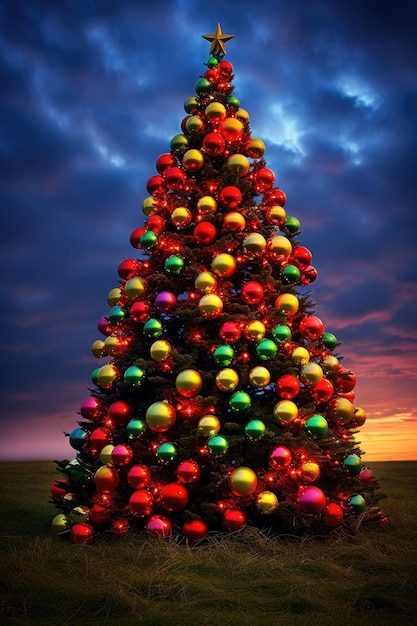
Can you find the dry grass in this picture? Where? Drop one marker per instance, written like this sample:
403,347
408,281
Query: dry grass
245,579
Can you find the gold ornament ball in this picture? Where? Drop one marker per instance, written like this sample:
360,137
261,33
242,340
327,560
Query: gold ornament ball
106,454
206,205
189,383
205,282
277,214
160,349
223,265
135,287
210,305
97,349
280,246
285,411
242,115
106,376
194,124
254,243
227,379
243,481
209,425
344,410
359,416
312,373
255,331
231,129
215,110
193,160
160,416
300,355
181,216
266,502
287,304
239,164
111,345
234,221
310,471
113,297
259,376
148,205
331,364
256,148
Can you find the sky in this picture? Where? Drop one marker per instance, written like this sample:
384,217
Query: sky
92,93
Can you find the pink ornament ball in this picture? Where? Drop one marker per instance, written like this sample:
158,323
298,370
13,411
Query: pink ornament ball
159,526
91,408
280,458
311,500
165,301
122,455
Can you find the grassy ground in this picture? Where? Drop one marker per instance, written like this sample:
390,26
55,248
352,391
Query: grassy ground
244,580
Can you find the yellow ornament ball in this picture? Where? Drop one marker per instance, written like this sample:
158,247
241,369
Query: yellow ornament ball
209,425
331,364
160,350
239,164
227,379
277,214
234,221
243,481
309,471
206,205
300,355
312,373
111,345
205,282
344,410
256,148
223,265
280,246
359,417
254,243
105,454
160,416
215,110
181,216
113,297
287,304
255,331
60,524
97,349
285,411
242,115
210,306
189,383
231,129
107,376
259,376
148,205
193,160
266,502
135,287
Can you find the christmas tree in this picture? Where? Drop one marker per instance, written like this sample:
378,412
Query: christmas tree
222,401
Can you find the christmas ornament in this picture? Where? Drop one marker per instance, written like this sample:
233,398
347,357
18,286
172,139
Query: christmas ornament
255,429
230,197
353,464
60,524
266,502
135,427
206,205
317,426
358,504
217,444
165,301
281,333
119,413
160,349
230,332
223,265
122,455
234,222
194,529
188,383
266,349
139,476
279,458
309,471
205,282
188,472
287,386
209,425
227,379
82,533
238,163
106,479
210,305
181,217
205,233
332,515
223,355
152,328
254,243
252,292
174,497
233,520
141,503
243,481
134,376
287,304
259,377
240,401
166,452
160,416
285,411
311,500
255,331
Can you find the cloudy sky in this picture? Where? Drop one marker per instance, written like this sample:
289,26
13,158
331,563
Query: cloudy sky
92,93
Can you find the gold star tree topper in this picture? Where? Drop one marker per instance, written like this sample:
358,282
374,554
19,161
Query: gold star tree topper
218,39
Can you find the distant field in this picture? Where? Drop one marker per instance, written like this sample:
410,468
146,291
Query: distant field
242,580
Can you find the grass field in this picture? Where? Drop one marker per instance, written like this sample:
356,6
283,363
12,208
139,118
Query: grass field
243,580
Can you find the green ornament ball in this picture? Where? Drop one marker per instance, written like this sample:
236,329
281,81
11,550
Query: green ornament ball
134,376
353,464
240,401
329,340
358,504
166,452
255,429
94,375
174,265
218,444
148,240
213,62
317,426
233,101
135,427
281,333
116,314
223,355
203,86
266,349
290,275
292,224
152,328
179,143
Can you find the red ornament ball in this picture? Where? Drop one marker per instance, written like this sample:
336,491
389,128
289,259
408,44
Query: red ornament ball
139,311
301,256
287,386
155,223
252,292
128,268
233,520
194,529
174,497
230,332
275,196
139,476
264,179
135,236
332,515
141,503
99,438
81,533
164,162
58,491
345,381
154,184
230,197
280,458
120,413
311,328
213,144
175,178
323,391
205,233
122,455
311,500
225,69
159,526
188,472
